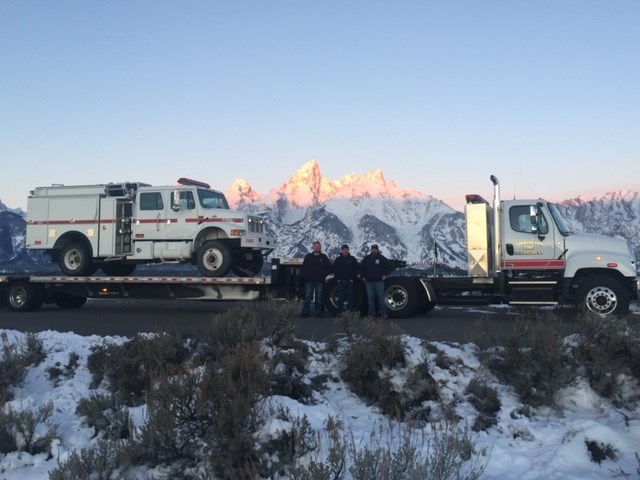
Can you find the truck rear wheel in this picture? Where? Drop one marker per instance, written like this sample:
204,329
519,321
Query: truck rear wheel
24,296
402,297
602,295
214,259
75,260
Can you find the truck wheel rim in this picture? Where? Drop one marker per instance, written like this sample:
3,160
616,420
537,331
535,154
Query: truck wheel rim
212,259
18,297
601,300
396,298
73,259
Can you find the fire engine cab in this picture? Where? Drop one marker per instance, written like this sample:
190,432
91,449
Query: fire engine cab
117,226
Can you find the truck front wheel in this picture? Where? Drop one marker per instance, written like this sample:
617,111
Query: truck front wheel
602,295
75,260
214,259
402,297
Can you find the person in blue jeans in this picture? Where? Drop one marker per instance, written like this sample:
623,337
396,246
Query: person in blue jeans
315,268
345,271
375,268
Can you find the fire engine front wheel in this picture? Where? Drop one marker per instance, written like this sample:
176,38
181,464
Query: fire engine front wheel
214,259
75,260
602,295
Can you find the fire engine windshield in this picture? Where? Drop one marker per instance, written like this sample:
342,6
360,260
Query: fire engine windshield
209,199
559,220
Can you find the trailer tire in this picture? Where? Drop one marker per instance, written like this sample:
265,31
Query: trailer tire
24,296
602,295
67,301
214,259
330,294
75,260
402,297
118,269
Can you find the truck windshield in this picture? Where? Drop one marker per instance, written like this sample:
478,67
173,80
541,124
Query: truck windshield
209,199
557,218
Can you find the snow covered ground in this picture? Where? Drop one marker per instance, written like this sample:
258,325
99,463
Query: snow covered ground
550,444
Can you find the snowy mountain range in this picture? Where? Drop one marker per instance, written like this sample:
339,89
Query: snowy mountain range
365,209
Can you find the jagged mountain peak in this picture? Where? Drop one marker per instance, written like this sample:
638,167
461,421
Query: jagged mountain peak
241,193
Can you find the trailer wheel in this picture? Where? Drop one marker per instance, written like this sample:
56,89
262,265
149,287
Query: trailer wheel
248,267
330,294
67,301
24,297
402,297
118,269
214,259
602,295
75,260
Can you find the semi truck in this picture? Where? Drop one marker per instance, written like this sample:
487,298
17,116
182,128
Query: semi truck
519,252
117,226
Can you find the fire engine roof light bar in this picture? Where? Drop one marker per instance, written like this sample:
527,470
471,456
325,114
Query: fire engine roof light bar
195,183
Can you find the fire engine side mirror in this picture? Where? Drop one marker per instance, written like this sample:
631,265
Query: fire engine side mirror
533,218
175,200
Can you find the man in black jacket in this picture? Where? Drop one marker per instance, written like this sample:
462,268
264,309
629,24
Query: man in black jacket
315,268
375,268
345,270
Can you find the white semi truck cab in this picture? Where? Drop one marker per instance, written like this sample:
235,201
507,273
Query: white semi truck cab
117,226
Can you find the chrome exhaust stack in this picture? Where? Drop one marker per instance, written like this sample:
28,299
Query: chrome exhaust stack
497,214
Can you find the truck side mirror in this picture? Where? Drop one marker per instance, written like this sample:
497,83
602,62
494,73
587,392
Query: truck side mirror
175,200
533,218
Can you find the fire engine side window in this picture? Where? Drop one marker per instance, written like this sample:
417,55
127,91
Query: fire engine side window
151,201
186,201
520,220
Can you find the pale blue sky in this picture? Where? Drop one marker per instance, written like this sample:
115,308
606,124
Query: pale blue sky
437,94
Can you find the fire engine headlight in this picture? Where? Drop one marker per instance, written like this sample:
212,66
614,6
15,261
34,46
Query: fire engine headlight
237,233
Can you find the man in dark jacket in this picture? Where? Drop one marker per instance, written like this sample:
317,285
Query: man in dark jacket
375,268
315,268
345,270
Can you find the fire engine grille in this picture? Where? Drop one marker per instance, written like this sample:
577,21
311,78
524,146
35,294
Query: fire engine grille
256,224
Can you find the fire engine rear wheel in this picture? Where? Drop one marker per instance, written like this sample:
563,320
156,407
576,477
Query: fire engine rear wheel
602,295
25,297
75,260
214,259
402,297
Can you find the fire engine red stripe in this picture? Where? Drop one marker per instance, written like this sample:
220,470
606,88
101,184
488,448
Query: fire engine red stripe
213,220
534,263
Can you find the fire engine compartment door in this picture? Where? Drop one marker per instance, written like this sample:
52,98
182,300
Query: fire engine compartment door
525,247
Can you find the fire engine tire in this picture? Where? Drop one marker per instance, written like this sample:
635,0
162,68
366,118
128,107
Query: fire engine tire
24,297
402,297
66,301
117,269
244,267
330,294
602,295
75,260
214,259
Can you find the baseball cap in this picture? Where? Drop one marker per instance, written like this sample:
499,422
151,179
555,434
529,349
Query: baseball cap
374,246
344,245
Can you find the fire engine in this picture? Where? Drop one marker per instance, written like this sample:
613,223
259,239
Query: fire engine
117,226
519,252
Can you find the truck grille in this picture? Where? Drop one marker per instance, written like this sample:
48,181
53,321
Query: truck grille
256,224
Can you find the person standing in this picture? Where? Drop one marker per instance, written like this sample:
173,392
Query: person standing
375,268
315,268
345,270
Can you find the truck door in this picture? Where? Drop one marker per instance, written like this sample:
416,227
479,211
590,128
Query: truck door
529,239
150,216
184,216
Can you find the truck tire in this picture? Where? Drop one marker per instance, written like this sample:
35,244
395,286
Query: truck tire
117,269
602,295
24,296
75,260
214,259
248,267
402,297
330,294
67,301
